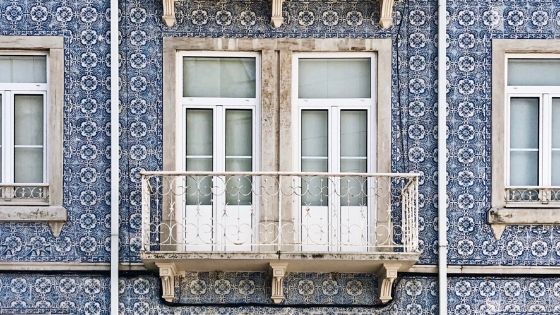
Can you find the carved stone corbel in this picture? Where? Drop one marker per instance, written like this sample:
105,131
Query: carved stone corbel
387,274
169,12
56,227
167,273
278,274
277,18
386,10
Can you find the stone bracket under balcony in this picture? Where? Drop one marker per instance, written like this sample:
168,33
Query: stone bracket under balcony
384,266
276,18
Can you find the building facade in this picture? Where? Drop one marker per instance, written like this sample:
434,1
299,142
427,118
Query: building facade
327,111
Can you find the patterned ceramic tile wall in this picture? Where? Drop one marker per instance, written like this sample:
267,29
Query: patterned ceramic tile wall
85,28
471,28
89,294
413,74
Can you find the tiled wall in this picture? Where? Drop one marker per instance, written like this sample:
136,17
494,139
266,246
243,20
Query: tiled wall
85,238
85,28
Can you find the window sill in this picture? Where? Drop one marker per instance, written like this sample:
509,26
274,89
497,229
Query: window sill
55,216
499,218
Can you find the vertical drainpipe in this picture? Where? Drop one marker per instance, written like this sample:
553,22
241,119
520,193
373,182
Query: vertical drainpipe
114,157
442,158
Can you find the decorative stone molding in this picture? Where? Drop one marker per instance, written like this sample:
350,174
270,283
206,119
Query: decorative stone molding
278,274
387,274
386,10
167,273
169,13
277,19
55,216
499,218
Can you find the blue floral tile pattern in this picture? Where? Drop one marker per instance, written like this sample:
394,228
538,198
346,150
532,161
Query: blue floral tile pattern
89,294
85,29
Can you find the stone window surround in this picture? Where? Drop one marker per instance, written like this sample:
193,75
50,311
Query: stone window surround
277,130
53,213
500,215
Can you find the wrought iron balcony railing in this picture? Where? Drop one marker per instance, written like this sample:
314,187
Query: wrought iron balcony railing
284,221
279,212
23,194
531,195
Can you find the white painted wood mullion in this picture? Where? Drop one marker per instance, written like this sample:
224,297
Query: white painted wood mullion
9,137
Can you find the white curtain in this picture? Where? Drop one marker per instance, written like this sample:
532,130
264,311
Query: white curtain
534,72
334,78
28,138
524,141
314,156
23,69
199,155
239,140
353,156
219,77
556,141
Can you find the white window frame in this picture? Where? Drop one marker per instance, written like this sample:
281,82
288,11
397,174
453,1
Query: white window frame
50,210
8,91
334,106
219,106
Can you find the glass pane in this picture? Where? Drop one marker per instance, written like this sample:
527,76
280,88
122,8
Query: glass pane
353,133
534,72
556,168
314,130
524,123
199,132
353,166
199,188
314,190
28,165
1,143
28,119
334,78
556,123
239,124
219,77
524,168
353,190
239,188
23,69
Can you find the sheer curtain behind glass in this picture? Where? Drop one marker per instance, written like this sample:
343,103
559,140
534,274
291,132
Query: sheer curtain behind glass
334,78
555,142
199,155
524,141
219,77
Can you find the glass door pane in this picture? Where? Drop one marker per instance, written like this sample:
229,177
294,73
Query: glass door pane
314,156
556,142
28,138
199,155
353,156
239,151
524,142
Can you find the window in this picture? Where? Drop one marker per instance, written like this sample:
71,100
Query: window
23,91
336,118
220,113
533,112
525,133
31,98
229,106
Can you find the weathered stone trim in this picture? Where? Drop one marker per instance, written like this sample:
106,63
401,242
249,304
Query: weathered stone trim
54,213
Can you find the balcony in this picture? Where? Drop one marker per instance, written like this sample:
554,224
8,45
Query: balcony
279,221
